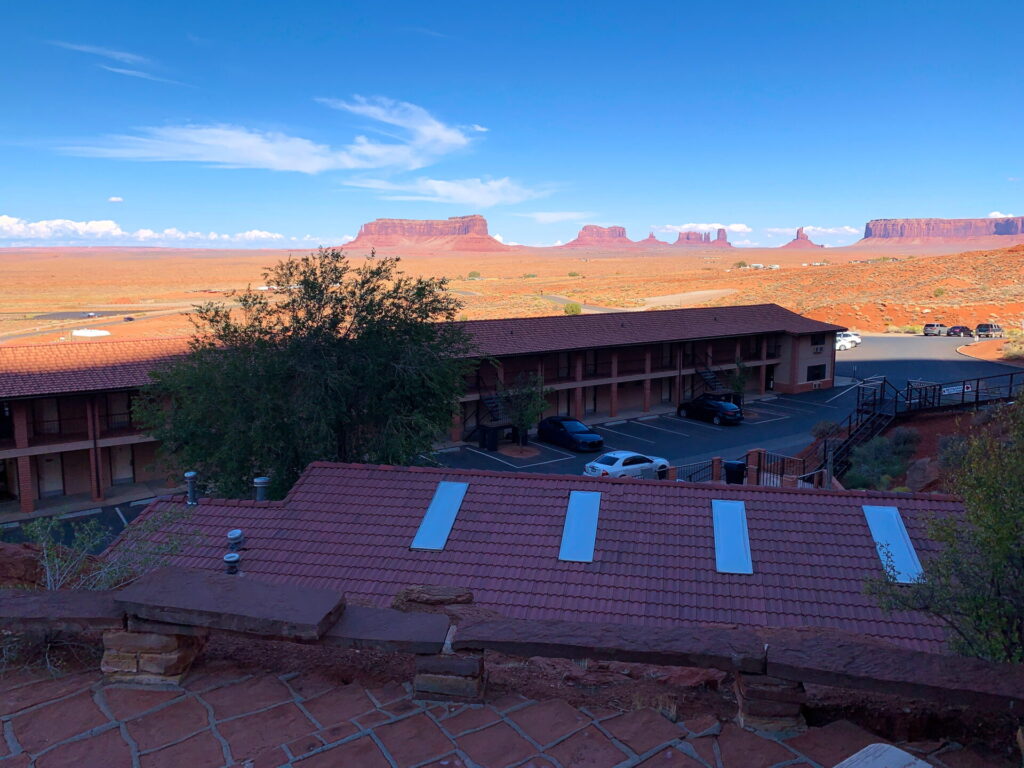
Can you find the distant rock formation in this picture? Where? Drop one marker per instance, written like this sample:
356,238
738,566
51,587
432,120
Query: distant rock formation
801,241
593,236
943,230
703,239
651,240
458,233
721,240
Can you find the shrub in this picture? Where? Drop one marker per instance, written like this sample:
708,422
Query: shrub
474,275
939,292
824,429
739,265
904,441
874,465
528,275
952,450
912,329
1013,350
572,308
574,274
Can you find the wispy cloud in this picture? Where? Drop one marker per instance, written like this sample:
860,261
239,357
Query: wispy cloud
108,53
424,139
702,227
554,217
115,199
107,231
479,193
137,73
810,229
429,32
1000,215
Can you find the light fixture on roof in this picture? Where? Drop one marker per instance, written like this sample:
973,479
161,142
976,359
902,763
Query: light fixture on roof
895,549
579,532
232,562
440,516
732,543
236,539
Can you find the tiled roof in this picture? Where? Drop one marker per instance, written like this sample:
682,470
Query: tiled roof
348,527
529,335
82,366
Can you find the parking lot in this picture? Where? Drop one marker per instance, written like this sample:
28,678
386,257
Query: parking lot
780,423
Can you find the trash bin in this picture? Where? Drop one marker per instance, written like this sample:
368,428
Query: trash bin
492,438
735,471
481,437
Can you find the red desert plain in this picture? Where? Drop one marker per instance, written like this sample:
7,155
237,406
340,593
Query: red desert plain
904,272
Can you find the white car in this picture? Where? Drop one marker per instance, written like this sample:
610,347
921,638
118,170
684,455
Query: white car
626,464
848,337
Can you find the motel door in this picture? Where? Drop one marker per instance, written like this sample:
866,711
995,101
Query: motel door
51,475
122,470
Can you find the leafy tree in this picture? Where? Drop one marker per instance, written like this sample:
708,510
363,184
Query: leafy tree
474,275
333,363
525,401
572,308
739,265
974,583
739,377
874,465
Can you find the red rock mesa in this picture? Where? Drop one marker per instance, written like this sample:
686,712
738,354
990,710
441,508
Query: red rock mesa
943,230
593,236
458,233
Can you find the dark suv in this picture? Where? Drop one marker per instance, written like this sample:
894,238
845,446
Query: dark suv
989,331
714,408
960,330
569,433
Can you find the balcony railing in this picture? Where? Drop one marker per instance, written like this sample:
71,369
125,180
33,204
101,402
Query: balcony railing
53,430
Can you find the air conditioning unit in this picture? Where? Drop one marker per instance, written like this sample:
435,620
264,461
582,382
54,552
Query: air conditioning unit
815,385
817,350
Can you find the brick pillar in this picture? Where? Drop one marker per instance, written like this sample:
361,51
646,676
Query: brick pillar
19,415
790,481
94,453
26,486
148,657
577,403
762,374
455,431
754,464
613,403
450,677
673,473
716,469
647,381
768,703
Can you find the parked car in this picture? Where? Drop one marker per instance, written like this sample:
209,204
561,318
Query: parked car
128,318
626,464
710,407
934,329
849,336
959,330
989,331
569,433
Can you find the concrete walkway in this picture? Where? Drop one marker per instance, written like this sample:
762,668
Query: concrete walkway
226,716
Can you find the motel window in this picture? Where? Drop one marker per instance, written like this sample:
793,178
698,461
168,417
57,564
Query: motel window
815,372
590,399
666,355
563,365
818,340
666,390
590,362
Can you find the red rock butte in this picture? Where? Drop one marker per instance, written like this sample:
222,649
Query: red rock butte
801,241
457,233
593,236
878,231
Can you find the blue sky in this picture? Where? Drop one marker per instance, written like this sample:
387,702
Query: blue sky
270,124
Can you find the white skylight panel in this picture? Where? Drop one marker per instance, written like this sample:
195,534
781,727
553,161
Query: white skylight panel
440,516
732,544
893,542
580,530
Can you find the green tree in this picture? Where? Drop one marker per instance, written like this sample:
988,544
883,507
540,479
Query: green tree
739,265
525,401
739,377
974,583
333,363
572,308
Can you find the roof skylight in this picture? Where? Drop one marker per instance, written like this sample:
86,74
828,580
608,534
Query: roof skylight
894,546
580,530
732,544
440,516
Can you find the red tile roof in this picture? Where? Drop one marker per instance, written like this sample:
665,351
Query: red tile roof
529,335
348,527
82,366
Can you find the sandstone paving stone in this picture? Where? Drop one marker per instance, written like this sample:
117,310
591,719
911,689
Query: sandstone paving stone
549,721
41,690
743,749
173,722
247,696
338,705
643,730
312,684
413,740
705,749
403,707
469,720
337,732
587,749
199,751
272,757
386,694
497,746
508,701
127,702
703,725
361,752
53,723
21,761
834,742
669,758
448,761
372,719
206,675
106,749
968,758
304,745
250,734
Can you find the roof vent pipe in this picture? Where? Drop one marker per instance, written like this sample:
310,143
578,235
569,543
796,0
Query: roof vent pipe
192,496
261,484
235,539
231,562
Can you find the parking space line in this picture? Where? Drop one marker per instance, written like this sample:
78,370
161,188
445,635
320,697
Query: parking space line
118,510
662,429
518,466
692,423
797,407
848,389
769,421
626,434
83,513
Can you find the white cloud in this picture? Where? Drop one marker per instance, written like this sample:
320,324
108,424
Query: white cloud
810,229
478,193
115,199
502,240
425,139
108,53
695,227
479,128
137,73
553,217
109,232
998,215
746,242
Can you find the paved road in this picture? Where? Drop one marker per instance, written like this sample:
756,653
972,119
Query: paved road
113,518
781,425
